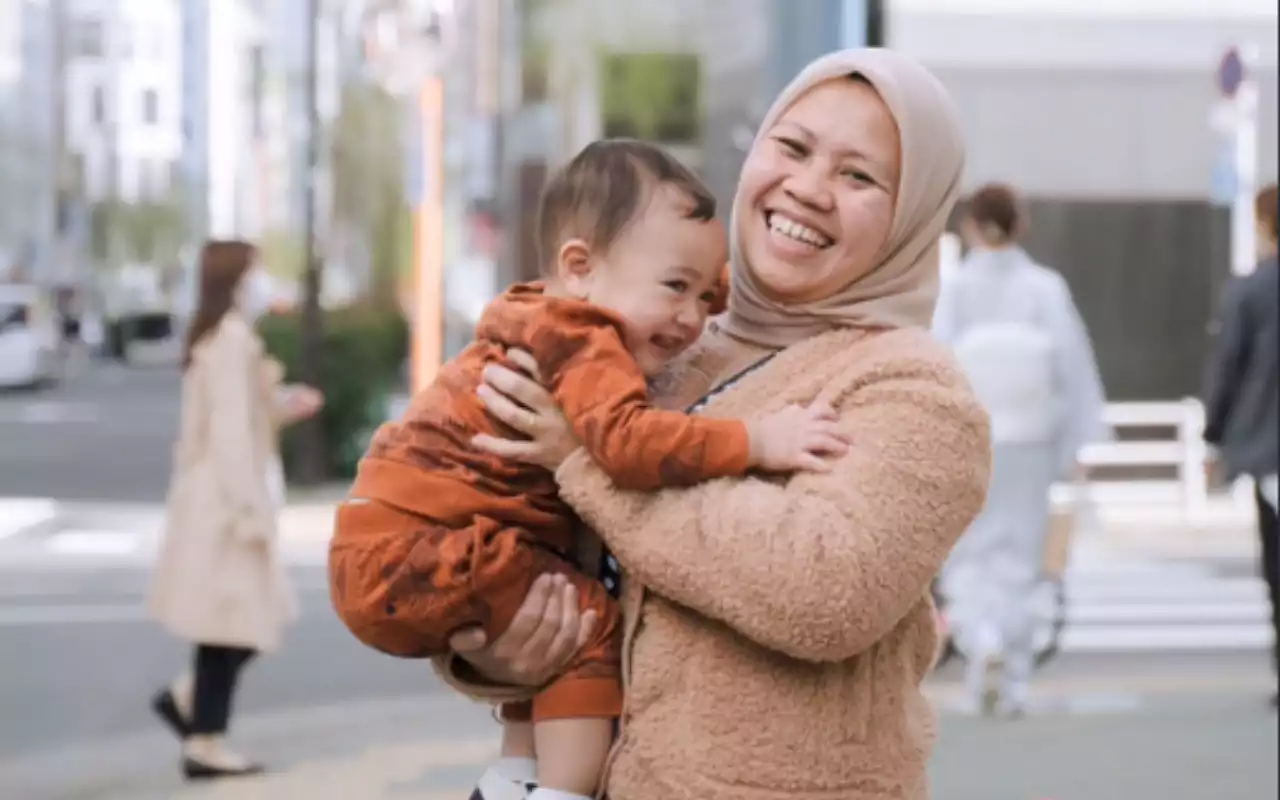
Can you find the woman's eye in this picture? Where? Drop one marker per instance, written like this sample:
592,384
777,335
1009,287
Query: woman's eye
679,287
857,176
791,147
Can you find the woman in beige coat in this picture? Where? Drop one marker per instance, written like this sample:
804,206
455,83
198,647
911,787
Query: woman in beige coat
219,582
778,630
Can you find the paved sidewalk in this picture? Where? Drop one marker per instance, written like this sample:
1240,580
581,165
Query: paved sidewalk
1100,730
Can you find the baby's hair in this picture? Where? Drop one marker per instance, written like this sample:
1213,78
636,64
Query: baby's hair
599,193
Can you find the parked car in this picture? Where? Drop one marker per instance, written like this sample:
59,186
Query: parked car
29,337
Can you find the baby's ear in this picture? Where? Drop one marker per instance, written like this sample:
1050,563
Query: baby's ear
721,299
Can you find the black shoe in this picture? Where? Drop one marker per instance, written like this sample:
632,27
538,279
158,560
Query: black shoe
165,708
195,770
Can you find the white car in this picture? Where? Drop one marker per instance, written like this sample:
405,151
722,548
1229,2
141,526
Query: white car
29,336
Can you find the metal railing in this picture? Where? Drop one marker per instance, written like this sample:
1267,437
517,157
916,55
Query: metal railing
1183,450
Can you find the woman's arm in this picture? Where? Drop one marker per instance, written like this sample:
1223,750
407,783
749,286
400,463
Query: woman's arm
824,565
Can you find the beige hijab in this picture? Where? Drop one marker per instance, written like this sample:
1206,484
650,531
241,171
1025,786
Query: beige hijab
901,290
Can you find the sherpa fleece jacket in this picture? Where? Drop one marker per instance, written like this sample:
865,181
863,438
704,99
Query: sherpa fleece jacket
778,630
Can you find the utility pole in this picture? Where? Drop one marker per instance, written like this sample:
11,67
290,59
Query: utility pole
311,469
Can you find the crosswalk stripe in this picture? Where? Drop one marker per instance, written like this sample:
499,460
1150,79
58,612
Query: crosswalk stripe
1150,605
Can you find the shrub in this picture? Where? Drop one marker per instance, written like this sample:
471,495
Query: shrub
362,351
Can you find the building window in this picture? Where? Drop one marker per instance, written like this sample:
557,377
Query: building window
150,107
87,38
98,112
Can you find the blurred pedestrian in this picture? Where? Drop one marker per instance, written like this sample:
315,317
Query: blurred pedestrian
1019,337
1241,424
219,582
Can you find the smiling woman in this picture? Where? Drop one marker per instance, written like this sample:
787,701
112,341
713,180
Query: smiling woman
787,624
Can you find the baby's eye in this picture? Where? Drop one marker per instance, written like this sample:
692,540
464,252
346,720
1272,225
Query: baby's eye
679,287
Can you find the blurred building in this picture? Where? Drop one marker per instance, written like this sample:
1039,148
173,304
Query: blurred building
26,119
224,151
123,96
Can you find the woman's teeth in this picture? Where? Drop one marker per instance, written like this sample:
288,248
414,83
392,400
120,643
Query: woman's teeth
797,231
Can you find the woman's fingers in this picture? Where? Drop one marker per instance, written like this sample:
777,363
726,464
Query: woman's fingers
535,651
565,643
527,618
521,388
525,361
508,411
586,627
468,640
525,452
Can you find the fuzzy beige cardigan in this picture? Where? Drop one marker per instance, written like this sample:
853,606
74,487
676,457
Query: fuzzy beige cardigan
778,631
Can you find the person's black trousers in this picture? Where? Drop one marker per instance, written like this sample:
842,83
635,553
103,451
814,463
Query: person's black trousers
217,670
1269,533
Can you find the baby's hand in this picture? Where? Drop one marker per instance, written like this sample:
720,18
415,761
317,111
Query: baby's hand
796,438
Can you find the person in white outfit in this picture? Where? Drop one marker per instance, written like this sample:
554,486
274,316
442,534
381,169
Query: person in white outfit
219,582
1020,339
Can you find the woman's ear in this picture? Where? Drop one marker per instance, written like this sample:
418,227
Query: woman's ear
573,267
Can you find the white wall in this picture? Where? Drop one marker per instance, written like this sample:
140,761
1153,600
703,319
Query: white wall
1102,107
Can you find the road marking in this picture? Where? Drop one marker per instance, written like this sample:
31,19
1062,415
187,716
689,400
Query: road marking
49,412
94,542
19,513
20,616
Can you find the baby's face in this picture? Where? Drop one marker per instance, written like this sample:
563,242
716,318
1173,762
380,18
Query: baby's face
661,276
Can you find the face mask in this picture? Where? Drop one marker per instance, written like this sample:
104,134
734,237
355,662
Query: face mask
256,295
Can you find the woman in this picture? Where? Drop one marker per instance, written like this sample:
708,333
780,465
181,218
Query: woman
1025,349
779,630
219,582
1242,416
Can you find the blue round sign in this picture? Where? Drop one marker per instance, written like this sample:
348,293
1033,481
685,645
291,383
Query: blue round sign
1230,73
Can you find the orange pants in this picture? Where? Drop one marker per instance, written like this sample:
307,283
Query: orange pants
404,584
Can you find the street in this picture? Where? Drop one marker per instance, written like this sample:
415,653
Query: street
105,433
1161,691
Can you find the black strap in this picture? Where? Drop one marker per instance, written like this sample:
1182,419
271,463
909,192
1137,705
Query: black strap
610,571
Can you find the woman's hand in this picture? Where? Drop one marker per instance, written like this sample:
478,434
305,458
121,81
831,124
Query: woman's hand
538,645
520,401
301,402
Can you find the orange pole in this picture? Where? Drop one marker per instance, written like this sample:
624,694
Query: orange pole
428,246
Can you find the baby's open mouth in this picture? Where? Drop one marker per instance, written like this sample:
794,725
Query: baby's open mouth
783,225
668,343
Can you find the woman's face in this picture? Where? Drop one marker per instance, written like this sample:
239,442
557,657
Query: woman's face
818,192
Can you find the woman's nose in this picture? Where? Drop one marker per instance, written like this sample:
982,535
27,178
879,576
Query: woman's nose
808,186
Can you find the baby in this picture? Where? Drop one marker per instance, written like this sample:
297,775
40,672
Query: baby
438,535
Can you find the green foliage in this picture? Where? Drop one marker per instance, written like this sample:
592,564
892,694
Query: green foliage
362,353
148,232
652,96
283,253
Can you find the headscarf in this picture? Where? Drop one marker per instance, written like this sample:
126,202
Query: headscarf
902,288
